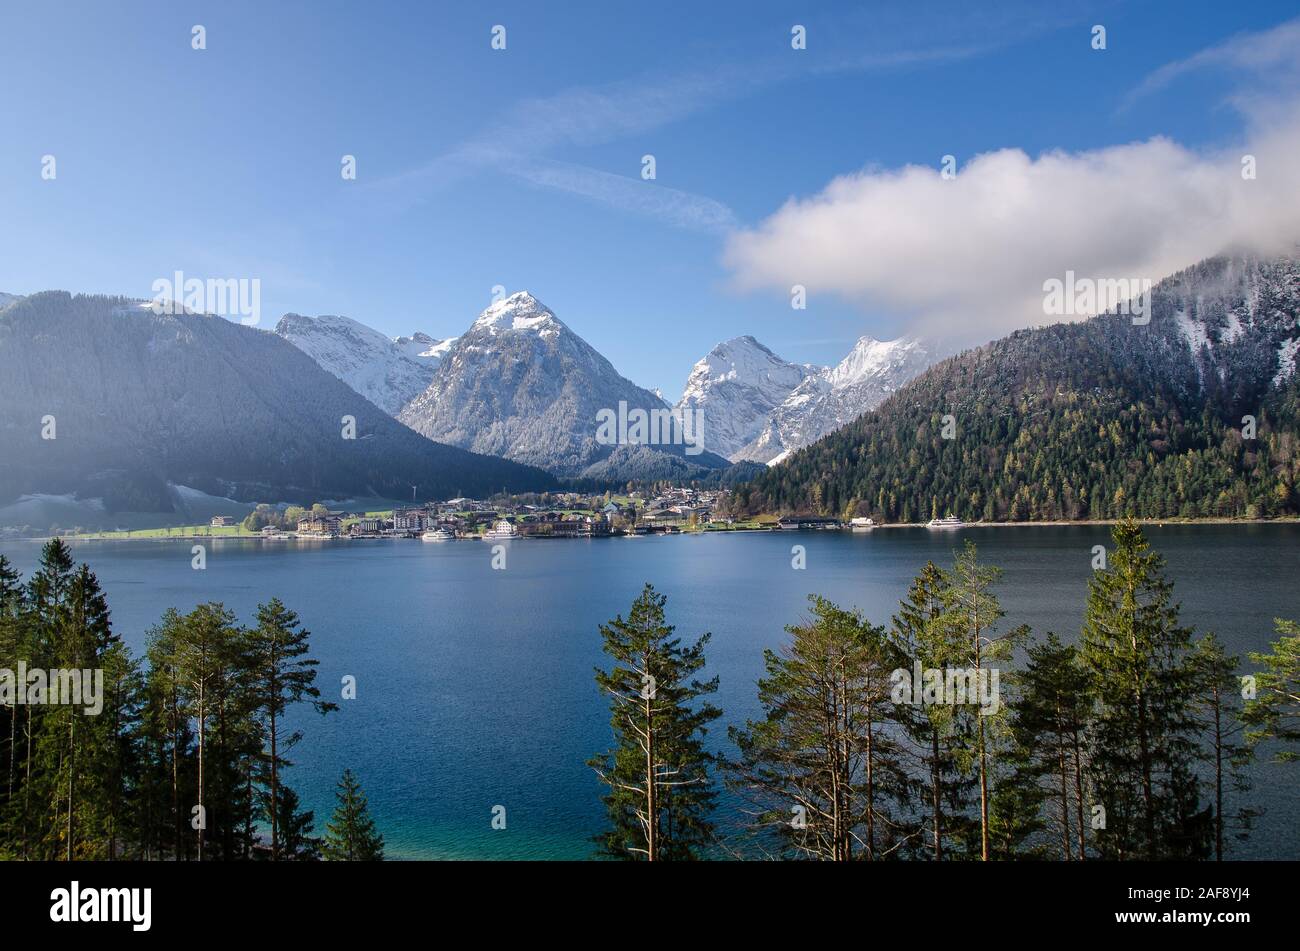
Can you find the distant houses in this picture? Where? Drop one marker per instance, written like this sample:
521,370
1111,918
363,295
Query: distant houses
410,520
560,525
558,515
222,521
320,526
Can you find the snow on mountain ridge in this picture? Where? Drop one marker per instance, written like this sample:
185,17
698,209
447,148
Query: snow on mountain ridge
1230,311
735,386
519,311
869,357
835,396
382,370
522,385
423,347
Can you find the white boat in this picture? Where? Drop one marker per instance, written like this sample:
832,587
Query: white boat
950,521
862,524
438,535
501,529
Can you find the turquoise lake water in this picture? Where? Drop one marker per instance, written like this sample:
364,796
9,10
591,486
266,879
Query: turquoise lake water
475,685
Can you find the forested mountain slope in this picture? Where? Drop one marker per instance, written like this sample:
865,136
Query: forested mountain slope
1097,419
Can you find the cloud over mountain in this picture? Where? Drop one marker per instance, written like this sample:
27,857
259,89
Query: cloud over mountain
966,256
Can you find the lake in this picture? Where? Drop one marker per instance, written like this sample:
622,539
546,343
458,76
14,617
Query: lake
474,685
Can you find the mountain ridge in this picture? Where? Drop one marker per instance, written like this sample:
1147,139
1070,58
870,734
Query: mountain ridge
520,384
835,396
1102,418
140,401
389,373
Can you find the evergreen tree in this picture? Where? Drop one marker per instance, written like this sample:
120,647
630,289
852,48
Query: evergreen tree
350,835
296,843
660,790
210,664
85,634
922,638
118,829
113,773
1144,741
1049,729
971,614
1217,701
1274,714
12,609
280,674
824,763
167,738
1015,813
45,621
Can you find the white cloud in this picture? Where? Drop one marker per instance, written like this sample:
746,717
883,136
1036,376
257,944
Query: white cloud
967,257
1270,58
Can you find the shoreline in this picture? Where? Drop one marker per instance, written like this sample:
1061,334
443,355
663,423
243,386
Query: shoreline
1161,522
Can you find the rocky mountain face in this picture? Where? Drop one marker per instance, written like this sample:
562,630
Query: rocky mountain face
1193,412
525,387
101,398
389,373
520,384
835,396
423,347
736,387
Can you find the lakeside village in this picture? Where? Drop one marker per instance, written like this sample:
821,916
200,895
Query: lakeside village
566,515
669,511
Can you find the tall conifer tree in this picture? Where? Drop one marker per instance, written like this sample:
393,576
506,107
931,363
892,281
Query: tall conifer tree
823,768
921,636
1145,743
280,674
350,835
660,789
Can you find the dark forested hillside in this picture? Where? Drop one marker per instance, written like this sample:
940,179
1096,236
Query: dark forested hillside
135,401
1098,419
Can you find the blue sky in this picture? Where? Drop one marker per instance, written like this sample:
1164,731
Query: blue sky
521,168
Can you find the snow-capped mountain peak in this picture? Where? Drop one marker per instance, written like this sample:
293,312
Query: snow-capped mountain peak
835,396
870,358
736,385
519,311
760,407
522,385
